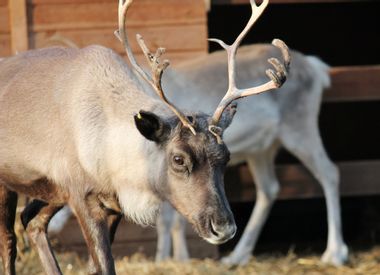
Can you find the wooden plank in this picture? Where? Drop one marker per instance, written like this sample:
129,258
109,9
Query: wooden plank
354,83
167,36
164,2
5,45
131,238
357,179
104,14
3,3
18,25
4,20
127,231
240,2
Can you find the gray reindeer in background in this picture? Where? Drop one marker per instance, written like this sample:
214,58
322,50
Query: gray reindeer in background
287,118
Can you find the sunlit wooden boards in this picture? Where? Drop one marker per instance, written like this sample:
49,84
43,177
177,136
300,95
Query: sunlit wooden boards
178,26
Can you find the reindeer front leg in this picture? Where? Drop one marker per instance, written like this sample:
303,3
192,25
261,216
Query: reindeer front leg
8,252
164,225
113,222
35,219
92,219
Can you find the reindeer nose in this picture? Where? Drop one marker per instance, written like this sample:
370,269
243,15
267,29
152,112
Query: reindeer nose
222,232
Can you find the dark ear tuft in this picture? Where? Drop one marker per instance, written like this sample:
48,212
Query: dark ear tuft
191,119
151,126
228,115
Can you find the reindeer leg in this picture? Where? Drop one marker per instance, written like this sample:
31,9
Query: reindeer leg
92,219
8,250
164,224
313,155
113,221
180,250
35,218
261,166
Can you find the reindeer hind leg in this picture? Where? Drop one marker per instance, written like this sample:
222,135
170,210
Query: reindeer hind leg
261,165
306,144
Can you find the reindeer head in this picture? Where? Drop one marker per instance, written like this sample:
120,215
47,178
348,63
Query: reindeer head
191,171
193,155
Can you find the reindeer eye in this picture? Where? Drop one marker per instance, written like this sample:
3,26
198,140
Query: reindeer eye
178,160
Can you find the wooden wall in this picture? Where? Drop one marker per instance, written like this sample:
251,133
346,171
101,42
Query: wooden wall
5,42
179,26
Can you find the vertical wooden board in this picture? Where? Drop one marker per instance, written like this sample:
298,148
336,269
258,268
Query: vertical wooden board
4,20
18,25
3,3
5,45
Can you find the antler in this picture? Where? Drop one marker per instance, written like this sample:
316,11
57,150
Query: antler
157,67
277,78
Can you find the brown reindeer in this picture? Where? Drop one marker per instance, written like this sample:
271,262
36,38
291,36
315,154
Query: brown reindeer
79,127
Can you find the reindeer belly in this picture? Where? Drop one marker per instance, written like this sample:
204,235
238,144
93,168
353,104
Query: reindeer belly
40,188
254,128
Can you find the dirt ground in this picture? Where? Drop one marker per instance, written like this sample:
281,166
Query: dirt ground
364,262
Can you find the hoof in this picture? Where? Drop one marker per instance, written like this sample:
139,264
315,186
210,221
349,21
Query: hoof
337,256
236,260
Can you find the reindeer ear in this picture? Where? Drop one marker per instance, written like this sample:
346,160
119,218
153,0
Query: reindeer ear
227,116
151,126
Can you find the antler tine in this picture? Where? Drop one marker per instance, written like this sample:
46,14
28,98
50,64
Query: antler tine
121,34
232,49
277,77
157,67
157,71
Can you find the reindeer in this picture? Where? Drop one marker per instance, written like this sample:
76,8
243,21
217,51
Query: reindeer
79,127
287,118
265,123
